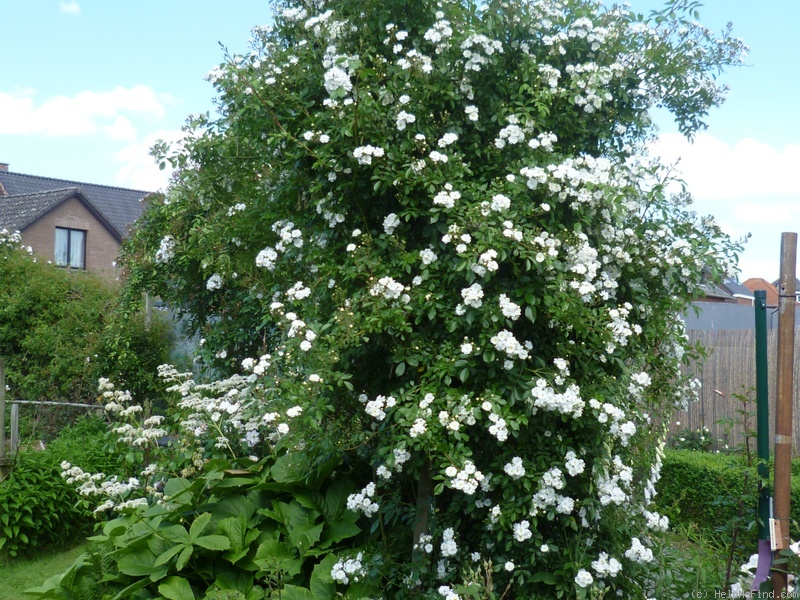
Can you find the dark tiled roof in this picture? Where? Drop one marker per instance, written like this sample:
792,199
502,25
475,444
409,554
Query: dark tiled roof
738,289
120,206
19,211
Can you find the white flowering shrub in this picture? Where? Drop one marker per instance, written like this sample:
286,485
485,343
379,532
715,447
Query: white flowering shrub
433,228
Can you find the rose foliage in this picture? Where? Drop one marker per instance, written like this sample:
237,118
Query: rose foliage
426,242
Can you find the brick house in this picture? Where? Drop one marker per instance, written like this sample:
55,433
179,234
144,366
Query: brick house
71,224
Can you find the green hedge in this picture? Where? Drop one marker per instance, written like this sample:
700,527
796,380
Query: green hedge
703,490
38,509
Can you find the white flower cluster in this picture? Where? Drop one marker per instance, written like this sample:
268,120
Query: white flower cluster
584,263
390,223
298,291
362,501
639,382
436,157
214,282
499,427
447,197
348,569
611,488
486,262
389,289
568,402
166,251
510,134
552,480
289,236
337,78
584,578
418,428
449,546
467,479
266,258
113,489
505,342
473,295
655,521
509,309
638,552
522,531
515,469
500,203
447,593
447,139
574,465
364,154
619,327
439,32
471,45
428,256
655,474
619,428
606,566
374,408
404,119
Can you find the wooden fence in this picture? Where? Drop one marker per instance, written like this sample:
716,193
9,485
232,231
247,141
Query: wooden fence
729,369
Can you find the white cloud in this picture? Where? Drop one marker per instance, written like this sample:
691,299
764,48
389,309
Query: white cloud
121,129
70,8
775,213
715,170
87,112
138,169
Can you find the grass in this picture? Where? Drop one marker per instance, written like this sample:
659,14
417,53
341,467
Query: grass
20,575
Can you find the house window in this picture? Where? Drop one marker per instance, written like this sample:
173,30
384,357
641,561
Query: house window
70,248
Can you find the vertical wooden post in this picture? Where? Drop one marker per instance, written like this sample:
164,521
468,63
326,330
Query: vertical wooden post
784,401
3,459
14,427
148,311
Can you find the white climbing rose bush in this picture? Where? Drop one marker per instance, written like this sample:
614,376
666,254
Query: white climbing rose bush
433,231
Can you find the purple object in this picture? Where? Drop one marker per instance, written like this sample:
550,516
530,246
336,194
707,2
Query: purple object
764,564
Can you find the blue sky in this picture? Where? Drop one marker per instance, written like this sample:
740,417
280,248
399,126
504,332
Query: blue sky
87,86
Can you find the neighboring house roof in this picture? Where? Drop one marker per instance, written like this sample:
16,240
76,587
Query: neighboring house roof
711,290
738,290
757,283
19,211
777,284
120,207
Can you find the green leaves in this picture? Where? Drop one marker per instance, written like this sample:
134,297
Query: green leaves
176,588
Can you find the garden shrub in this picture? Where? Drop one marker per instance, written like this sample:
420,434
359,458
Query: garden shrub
60,330
423,241
229,533
693,484
39,510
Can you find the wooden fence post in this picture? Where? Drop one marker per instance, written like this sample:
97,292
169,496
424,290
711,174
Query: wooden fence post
3,456
783,409
14,427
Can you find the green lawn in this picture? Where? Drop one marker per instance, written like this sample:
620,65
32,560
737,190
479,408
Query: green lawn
23,574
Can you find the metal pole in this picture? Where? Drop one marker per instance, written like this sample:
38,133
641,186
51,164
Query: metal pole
762,440
783,405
